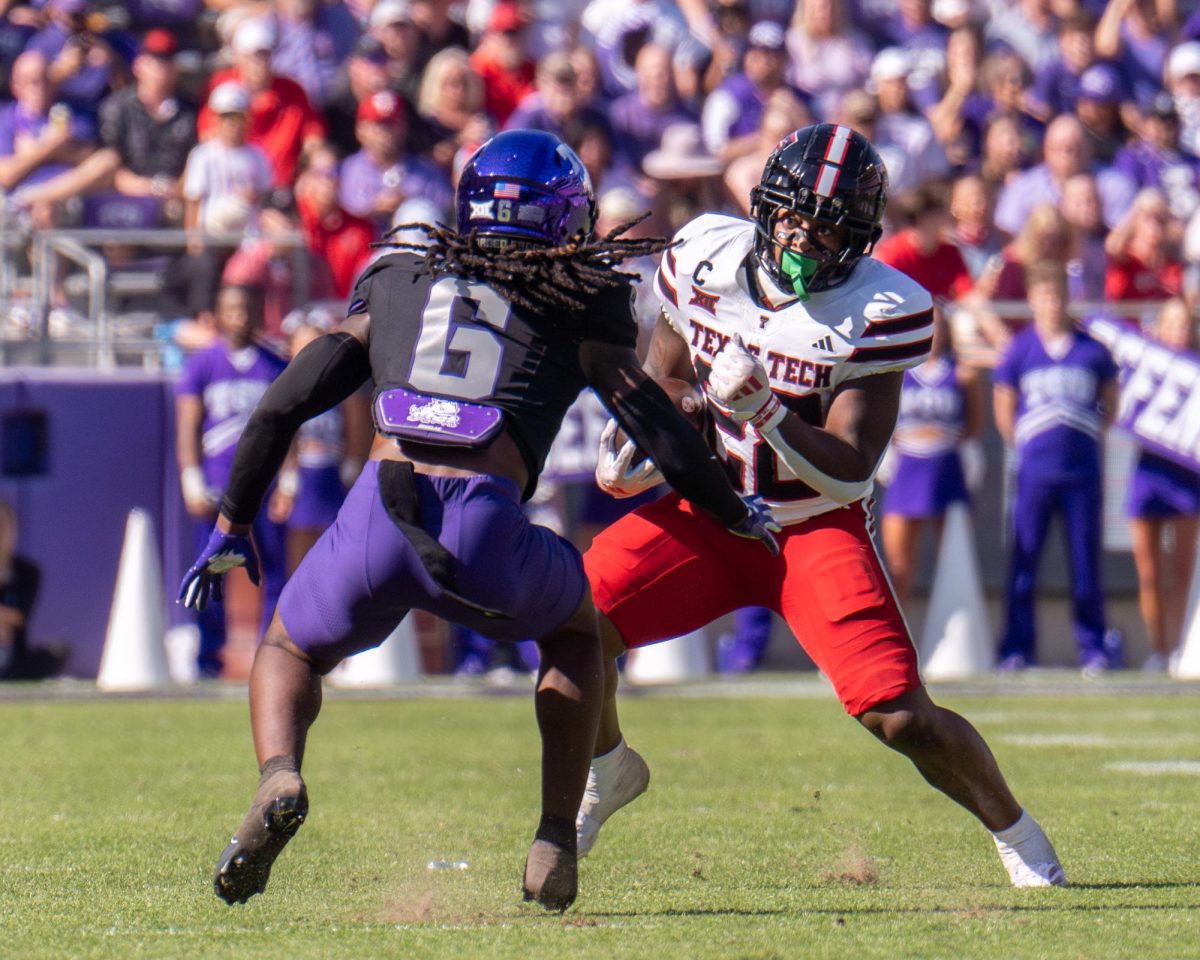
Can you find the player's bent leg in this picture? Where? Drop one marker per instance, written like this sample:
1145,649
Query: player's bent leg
278,810
285,697
951,755
618,774
567,702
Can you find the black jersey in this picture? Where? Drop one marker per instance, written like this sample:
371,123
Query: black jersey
446,336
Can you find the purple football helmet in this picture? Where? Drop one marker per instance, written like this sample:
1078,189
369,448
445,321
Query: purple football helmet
525,185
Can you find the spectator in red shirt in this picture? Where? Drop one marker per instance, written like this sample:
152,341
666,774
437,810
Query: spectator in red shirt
502,62
282,122
339,242
1143,251
920,250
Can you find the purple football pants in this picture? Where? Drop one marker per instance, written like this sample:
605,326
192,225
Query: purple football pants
363,575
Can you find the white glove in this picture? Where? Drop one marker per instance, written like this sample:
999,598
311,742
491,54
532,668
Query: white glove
616,473
974,464
738,382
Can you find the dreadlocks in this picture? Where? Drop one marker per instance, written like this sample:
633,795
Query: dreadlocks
534,278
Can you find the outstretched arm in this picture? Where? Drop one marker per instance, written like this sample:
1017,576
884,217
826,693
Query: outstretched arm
648,416
321,376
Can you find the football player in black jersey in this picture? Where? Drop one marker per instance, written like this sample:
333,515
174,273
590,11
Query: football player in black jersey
476,343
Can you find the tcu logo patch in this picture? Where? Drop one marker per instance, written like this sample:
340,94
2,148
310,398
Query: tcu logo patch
705,301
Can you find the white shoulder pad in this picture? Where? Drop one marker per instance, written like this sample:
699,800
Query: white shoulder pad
895,319
710,248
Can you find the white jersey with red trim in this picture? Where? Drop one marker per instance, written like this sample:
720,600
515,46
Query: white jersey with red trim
877,321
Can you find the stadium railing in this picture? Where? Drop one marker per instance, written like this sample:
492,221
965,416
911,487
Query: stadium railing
98,335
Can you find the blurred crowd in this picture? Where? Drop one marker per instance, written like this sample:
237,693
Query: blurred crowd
1012,129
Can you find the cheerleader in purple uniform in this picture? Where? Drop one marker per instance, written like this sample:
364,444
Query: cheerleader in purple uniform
935,456
1054,395
1164,509
329,454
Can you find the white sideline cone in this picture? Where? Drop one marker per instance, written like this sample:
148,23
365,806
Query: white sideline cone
396,660
671,661
1186,666
134,656
957,639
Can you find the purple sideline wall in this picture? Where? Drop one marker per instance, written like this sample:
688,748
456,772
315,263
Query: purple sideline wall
110,448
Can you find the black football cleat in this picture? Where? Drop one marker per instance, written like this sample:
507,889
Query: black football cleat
551,875
277,813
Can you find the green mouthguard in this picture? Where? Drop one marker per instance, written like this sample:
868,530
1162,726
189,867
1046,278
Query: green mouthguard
799,270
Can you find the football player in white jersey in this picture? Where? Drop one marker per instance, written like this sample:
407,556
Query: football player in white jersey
800,341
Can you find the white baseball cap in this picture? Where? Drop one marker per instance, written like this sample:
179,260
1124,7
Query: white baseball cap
892,63
254,34
948,11
681,155
1184,60
766,35
229,97
386,12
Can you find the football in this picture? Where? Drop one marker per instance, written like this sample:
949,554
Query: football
688,399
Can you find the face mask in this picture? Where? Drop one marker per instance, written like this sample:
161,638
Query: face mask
799,270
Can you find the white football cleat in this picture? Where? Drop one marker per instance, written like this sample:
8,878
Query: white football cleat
615,779
1029,857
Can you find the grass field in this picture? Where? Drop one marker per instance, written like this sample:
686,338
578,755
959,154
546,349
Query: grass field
774,828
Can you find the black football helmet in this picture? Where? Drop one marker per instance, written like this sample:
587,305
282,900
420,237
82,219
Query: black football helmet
831,174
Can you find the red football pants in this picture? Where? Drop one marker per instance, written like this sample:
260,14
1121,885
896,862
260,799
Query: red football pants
667,569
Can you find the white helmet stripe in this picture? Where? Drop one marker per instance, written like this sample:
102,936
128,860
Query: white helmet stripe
838,144
827,180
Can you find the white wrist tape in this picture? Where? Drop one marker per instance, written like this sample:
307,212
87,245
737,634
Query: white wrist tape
770,415
288,483
192,483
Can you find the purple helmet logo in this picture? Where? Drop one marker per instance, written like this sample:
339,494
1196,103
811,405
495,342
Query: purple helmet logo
525,185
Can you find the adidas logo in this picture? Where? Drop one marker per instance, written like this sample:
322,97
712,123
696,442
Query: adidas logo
825,343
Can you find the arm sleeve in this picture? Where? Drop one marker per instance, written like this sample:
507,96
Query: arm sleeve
611,317
678,450
323,374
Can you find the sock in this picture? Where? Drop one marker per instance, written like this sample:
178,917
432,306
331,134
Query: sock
558,831
283,761
1020,831
606,760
